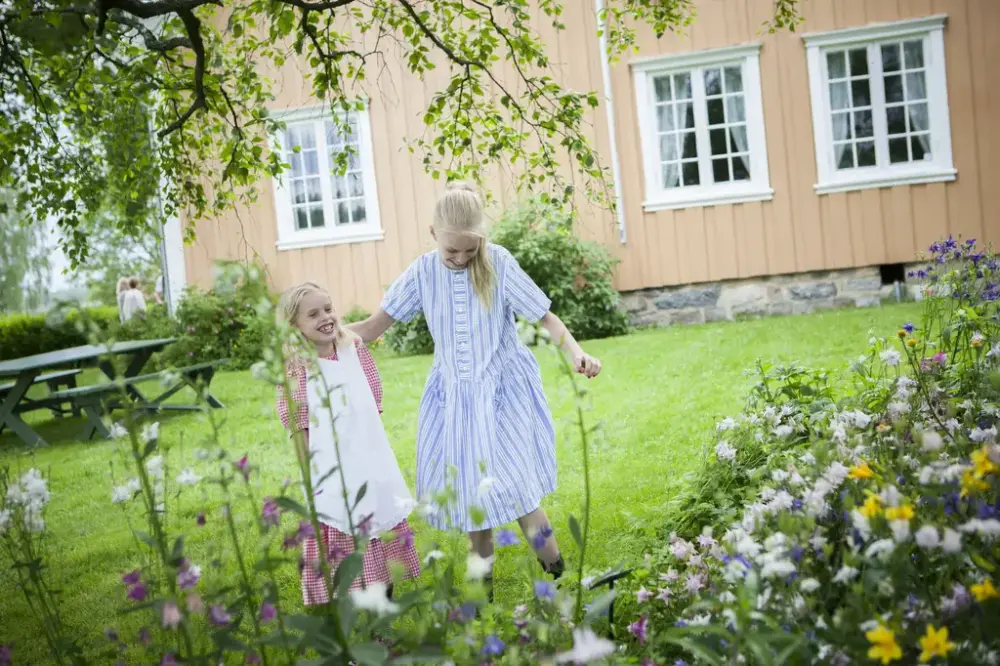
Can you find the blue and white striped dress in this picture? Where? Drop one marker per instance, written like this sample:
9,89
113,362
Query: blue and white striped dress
483,413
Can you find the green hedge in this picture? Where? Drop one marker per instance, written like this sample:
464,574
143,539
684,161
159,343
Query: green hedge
30,334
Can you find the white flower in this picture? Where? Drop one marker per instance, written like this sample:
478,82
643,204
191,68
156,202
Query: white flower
979,435
775,542
781,502
150,432
35,488
783,431
952,541
951,425
4,520
155,467
587,647
187,477
700,620
778,568
202,454
836,473
681,549
880,548
808,458
373,598
725,452
861,524
900,530
817,541
977,339
120,494
904,387
891,496
845,575
747,547
725,424
486,486
118,431
927,537
994,350
779,475
33,521
931,441
897,408
868,625
890,357
986,528
477,568
433,556
134,484
809,585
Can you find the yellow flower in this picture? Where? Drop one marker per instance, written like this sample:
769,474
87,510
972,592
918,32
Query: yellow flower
901,333
872,506
984,591
884,645
911,342
882,427
981,463
904,512
971,485
862,471
935,643
977,342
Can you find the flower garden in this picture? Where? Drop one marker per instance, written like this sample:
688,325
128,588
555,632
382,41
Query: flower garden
840,518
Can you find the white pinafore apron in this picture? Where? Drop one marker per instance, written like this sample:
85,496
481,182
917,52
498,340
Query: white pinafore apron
365,454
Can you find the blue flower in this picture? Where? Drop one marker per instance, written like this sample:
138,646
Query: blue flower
506,538
545,590
493,647
680,662
680,623
538,542
797,553
908,327
796,504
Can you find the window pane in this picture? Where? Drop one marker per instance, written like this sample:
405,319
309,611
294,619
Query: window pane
738,139
866,153
845,155
668,148
662,86
860,93
690,145
863,126
665,118
316,214
716,113
717,138
671,175
897,151
301,218
339,187
354,185
713,82
685,115
298,192
741,169
839,98
296,162
343,213
859,62
310,161
920,147
915,88
352,137
914,54
734,80
359,212
720,170
890,58
836,65
354,160
313,189
735,109
893,88
895,117
682,86
918,117
334,138
691,176
841,126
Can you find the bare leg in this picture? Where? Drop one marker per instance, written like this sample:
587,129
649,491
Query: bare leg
482,543
531,525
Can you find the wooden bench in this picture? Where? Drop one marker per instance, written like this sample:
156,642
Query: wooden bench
55,381
96,400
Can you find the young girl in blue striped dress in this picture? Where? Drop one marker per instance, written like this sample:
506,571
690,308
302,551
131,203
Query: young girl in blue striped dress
485,430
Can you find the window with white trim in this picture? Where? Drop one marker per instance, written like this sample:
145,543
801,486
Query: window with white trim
880,105
328,193
702,128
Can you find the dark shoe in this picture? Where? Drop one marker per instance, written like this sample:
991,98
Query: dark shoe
488,581
388,592
556,569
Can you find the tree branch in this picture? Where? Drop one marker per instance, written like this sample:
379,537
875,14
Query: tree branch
317,6
193,27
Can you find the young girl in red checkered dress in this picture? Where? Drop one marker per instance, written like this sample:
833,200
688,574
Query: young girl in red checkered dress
308,307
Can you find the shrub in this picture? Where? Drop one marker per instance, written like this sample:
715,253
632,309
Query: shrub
30,334
410,338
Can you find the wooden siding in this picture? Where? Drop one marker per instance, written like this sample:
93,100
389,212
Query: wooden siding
796,231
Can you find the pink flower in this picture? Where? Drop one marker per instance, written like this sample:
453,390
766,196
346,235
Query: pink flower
694,583
664,595
267,612
244,466
138,592
643,595
218,616
194,603
365,526
271,513
131,578
171,615
188,575
638,628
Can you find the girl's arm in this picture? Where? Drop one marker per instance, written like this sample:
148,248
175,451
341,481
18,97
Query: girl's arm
373,327
583,362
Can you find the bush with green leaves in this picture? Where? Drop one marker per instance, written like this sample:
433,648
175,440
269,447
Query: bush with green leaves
410,338
30,334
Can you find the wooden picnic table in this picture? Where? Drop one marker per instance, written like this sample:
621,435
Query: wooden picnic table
27,369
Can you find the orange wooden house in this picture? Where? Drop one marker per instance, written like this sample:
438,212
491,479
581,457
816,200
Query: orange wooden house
755,172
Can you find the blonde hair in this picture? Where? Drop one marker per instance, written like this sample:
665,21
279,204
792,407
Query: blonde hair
122,285
460,210
291,301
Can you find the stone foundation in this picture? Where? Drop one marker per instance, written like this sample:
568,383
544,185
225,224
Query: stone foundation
800,293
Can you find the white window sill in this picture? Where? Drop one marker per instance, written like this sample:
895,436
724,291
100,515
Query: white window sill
708,199
364,236
873,181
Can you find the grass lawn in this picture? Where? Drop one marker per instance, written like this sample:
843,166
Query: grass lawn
659,396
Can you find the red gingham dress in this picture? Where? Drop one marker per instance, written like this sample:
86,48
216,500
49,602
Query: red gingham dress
339,545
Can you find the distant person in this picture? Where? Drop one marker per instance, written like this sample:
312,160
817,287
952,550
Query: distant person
134,302
121,289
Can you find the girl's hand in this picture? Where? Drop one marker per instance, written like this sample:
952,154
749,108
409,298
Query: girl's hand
586,365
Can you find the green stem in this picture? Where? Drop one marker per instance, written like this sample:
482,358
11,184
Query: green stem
248,589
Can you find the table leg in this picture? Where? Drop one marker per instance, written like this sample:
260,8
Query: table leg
135,365
10,418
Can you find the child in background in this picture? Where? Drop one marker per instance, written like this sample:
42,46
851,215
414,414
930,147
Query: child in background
345,363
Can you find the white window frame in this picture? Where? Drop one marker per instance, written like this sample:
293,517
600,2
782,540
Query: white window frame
885,174
758,187
290,238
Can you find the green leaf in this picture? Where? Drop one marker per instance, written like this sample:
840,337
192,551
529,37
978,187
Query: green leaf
599,606
177,552
369,653
145,538
347,573
361,494
428,654
695,649
289,504
574,529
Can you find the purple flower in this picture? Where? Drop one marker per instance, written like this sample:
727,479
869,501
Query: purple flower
543,534
908,327
111,635
545,590
638,628
365,526
506,538
271,514
244,466
190,329
305,531
405,538
145,637
218,616
138,592
267,612
493,647
464,613
5,656
253,658
168,660
200,520
188,576
680,662
131,578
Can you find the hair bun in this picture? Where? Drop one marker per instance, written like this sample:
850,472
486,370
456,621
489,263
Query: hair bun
460,186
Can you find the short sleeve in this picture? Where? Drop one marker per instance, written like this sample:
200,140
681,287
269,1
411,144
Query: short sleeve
297,379
520,291
402,299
